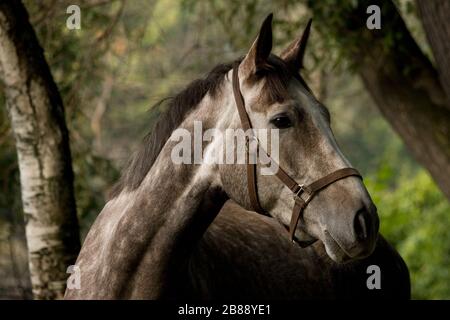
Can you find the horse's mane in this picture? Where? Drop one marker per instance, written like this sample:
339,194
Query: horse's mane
178,107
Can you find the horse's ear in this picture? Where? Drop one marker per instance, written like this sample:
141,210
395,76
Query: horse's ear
294,53
261,48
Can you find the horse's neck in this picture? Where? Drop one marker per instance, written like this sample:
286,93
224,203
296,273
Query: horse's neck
145,235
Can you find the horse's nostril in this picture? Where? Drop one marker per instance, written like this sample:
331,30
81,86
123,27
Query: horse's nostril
360,225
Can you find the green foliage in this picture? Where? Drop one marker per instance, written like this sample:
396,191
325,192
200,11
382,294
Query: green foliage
94,178
413,212
415,219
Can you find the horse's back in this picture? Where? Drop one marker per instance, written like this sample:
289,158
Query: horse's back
247,255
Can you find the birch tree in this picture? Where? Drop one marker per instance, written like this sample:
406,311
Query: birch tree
36,112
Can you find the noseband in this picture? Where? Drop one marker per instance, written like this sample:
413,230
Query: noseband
302,194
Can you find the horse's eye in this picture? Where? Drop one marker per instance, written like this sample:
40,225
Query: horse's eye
281,122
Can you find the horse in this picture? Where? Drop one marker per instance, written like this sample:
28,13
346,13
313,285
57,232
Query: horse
174,230
252,259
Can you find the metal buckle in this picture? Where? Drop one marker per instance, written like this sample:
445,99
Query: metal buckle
299,193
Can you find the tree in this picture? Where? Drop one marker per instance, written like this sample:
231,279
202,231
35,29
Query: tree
435,19
42,142
399,76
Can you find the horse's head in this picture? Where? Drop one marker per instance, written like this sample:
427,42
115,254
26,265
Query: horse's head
342,214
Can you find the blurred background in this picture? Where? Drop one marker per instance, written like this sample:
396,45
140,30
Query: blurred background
128,55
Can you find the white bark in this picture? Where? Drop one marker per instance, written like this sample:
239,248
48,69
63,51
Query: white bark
37,120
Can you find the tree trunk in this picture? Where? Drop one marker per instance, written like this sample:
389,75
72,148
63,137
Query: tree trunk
399,77
37,119
435,15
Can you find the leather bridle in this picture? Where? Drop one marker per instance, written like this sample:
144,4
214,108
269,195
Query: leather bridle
302,194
